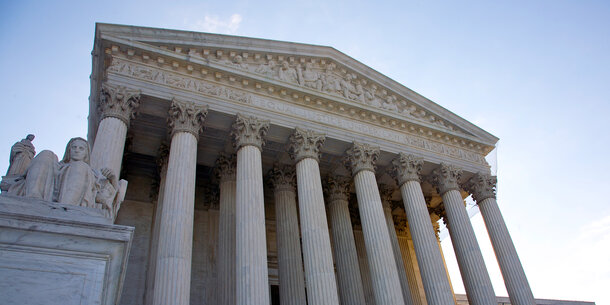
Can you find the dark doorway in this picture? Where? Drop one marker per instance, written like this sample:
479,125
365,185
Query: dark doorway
275,295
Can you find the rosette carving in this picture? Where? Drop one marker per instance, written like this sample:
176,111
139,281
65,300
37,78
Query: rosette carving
406,167
118,102
186,117
305,144
337,188
249,131
446,178
282,178
225,168
481,186
361,157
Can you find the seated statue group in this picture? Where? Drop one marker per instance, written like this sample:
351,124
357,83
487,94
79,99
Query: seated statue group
69,181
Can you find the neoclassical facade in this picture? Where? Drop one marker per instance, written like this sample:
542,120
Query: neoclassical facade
267,172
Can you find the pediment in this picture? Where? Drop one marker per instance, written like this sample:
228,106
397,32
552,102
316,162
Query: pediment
316,75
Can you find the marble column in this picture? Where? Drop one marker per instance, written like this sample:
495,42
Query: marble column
173,268
349,280
482,187
225,265
156,225
386,202
363,262
252,287
317,253
117,106
405,169
361,160
478,286
290,262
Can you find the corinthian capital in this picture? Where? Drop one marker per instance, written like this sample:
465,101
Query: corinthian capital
225,168
361,157
282,178
337,188
481,186
305,144
445,178
186,117
406,168
249,131
118,102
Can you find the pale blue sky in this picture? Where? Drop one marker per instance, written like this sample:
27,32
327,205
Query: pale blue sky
534,73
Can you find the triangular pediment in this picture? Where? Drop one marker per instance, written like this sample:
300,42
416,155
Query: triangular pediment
314,74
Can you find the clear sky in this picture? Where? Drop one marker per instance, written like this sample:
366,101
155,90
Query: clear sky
534,73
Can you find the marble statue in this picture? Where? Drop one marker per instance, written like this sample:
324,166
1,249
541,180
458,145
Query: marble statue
287,73
22,153
71,180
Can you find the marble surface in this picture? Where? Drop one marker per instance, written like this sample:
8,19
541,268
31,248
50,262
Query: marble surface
70,256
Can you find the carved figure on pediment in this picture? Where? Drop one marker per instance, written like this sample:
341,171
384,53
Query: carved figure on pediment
71,180
310,78
22,153
267,69
371,98
287,73
409,110
330,81
389,103
238,62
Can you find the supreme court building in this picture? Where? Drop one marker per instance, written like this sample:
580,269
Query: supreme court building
267,172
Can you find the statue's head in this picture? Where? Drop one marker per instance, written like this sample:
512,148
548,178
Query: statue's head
30,137
77,150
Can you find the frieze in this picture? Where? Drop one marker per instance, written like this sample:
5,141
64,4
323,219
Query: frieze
190,83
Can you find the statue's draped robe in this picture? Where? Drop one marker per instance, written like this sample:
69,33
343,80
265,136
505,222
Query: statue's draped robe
21,156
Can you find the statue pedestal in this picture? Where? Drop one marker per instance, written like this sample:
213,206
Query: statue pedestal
60,254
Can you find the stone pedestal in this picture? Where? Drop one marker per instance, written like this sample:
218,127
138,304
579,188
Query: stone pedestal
52,253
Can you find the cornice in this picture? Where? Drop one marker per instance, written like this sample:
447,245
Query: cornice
217,64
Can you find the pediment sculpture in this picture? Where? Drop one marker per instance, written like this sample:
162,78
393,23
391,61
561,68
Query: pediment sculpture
70,181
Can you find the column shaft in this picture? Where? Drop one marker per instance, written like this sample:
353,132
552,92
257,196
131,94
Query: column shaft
386,284
470,260
154,240
109,145
412,271
400,266
225,263
518,288
173,267
351,291
436,284
363,262
317,254
290,263
251,242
